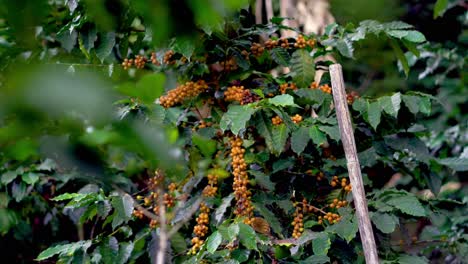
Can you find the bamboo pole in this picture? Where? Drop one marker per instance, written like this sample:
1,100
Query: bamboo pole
352,161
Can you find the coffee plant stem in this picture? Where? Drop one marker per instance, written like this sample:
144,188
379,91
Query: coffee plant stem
349,145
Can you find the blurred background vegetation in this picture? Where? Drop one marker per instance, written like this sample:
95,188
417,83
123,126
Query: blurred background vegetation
61,64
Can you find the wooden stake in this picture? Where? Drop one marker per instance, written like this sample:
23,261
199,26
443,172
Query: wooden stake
349,145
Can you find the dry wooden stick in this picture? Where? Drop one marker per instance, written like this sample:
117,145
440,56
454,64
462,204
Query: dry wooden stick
349,145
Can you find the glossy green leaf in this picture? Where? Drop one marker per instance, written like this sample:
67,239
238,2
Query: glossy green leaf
317,136
408,204
236,118
440,8
302,68
384,222
247,236
321,244
213,242
280,56
391,104
282,100
106,44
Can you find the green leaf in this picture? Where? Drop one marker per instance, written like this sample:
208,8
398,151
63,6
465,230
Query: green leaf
346,228
391,104
8,177
396,25
312,97
317,136
282,100
397,33
299,140
279,136
321,244
263,180
125,251
236,118
69,196
408,259
280,56
373,114
316,259
123,206
47,165
457,164
415,36
345,47
64,250
332,131
184,47
384,222
219,213
282,164
30,178
213,242
264,127
107,42
206,145
240,255
178,243
19,191
408,204
400,56
302,68
247,236
150,87
440,8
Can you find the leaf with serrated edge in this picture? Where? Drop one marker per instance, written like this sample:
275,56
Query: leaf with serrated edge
302,68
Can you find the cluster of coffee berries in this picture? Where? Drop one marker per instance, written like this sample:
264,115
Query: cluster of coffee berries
296,119
127,63
257,49
276,120
351,97
140,62
287,86
234,93
298,222
179,94
334,182
239,170
200,229
346,185
284,43
138,214
271,43
211,189
318,176
167,59
204,124
154,59
245,54
338,204
229,65
314,85
300,42
332,218
249,97
326,88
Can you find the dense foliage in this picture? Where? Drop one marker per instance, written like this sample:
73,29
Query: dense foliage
222,146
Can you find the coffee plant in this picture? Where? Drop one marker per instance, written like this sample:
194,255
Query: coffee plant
218,145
